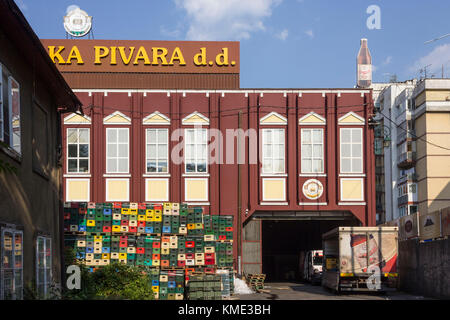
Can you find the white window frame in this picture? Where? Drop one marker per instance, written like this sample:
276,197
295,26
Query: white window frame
117,157
46,282
157,144
2,125
14,269
351,158
272,158
11,129
196,143
78,158
311,156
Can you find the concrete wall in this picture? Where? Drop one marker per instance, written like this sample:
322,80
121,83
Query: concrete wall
424,267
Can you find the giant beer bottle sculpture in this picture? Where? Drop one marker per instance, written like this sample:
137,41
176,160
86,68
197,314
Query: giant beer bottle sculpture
364,66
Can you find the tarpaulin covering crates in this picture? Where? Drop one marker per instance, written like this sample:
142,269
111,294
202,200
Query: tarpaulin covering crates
170,241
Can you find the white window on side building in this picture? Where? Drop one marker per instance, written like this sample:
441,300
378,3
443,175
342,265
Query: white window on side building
11,271
312,151
351,150
78,150
14,115
43,265
117,150
273,144
196,149
157,151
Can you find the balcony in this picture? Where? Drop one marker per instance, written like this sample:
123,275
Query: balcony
402,200
411,177
406,160
404,135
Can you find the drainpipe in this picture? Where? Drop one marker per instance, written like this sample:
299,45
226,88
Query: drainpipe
239,196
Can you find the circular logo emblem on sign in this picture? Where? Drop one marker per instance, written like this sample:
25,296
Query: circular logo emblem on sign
77,22
313,189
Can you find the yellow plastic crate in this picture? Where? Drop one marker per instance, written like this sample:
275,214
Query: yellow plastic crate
90,223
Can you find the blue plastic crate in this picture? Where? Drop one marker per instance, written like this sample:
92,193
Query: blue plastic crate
171,284
89,249
81,255
155,283
148,229
166,229
106,249
82,228
107,212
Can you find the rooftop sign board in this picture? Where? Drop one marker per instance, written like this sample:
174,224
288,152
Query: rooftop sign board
143,56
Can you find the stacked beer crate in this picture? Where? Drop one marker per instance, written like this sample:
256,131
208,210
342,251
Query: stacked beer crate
204,287
161,238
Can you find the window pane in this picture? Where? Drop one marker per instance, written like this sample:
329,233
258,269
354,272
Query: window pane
201,167
112,150
279,166
123,150
151,166
267,166
151,151
84,136
317,136
356,165
346,150
279,151
162,151
123,135
267,134
306,151
72,136
306,166
356,135
7,250
306,136
279,136
189,136
346,165
151,136
267,151
111,135
317,151
190,166
72,151
123,165
190,151
84,165
162,136
112,165
356,150
84,150
201,151
345,135
72,163
317,165
162,166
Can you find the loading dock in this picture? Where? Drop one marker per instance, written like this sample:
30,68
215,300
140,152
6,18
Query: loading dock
273,241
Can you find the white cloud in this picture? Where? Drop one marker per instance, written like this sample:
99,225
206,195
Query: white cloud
438,57
310,33
283,34
225,19
169,33
387,61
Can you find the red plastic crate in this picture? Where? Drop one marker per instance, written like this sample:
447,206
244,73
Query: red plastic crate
165,263
189,244
181,263
82,210
210,262
190,255
156,244
157,207
228,229
106,229
123,244
123,238
142,206
140,250
222,237
156,256
117,205
141,224
124,222
132,229
210,256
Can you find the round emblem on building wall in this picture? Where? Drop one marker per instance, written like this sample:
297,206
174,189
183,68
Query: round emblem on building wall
313,189
77,22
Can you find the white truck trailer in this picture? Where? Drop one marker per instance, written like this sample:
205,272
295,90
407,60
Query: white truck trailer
360,259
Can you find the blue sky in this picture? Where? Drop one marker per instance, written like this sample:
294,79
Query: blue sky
284,43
